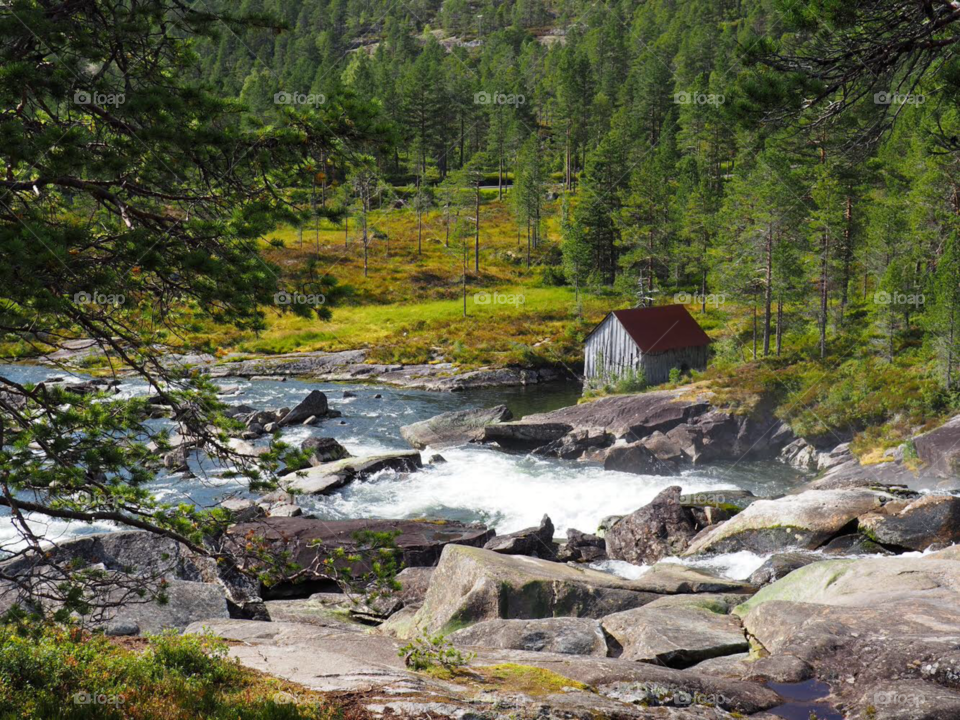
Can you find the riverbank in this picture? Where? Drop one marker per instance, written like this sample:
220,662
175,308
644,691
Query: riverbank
630,553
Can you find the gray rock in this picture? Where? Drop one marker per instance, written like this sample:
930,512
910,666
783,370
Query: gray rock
853,544
453,428
939,449
437,460
523,435
915,524
804,521
139,569
414,583
575,444
669,425
313,405
120,628
327,477
284,510
664,527
603,527
780,565
340,659
323,450
869,626
534,541
664,448
581,547
471,585
565,635
177,460
675,636
242,510
637,459
310,541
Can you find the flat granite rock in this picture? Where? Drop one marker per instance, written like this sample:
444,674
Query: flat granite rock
804,521
327,477
453,428
471,585
309,540
675,636
565,635
868,626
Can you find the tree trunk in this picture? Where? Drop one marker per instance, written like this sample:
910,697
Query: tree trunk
703,291
476,240
768,295
528,244
779,323
824,293
950,351
847,257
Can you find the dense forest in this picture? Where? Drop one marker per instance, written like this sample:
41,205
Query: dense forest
689,152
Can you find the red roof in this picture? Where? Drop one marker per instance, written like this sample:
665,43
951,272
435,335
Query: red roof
658,329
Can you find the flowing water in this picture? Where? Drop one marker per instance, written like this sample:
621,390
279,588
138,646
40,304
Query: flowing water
506,491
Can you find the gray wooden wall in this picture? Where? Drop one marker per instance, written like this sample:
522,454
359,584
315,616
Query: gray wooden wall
610,352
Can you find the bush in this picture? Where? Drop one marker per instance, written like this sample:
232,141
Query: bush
55,671
433,653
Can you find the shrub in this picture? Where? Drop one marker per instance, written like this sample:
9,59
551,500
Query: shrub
433,653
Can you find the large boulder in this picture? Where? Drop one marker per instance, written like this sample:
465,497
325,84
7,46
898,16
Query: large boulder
554,685
567,635
323,450
806,521
939,449
313,405
670,424
636,458
310,541
675,636
664,527
524,436
883,633
471,585
582,547
575,444
915,524
146,583
534,541
453,428
327,477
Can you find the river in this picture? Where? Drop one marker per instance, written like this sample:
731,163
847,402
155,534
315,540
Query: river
505,491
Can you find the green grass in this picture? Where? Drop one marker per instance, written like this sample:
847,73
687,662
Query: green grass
54,673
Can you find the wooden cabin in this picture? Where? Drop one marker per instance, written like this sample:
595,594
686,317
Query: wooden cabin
654,340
